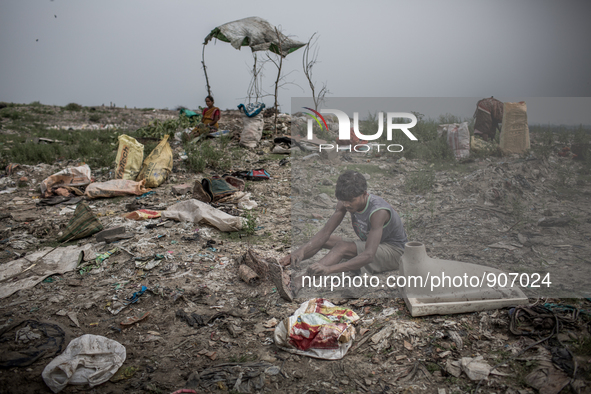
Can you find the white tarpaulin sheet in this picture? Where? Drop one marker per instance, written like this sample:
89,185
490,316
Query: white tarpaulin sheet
256,33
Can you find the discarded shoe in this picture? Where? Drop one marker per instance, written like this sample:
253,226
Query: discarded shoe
134,319
281,281
268,268
191,319
217,188
200,194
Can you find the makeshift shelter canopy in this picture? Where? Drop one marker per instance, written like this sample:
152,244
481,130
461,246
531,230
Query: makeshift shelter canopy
256,33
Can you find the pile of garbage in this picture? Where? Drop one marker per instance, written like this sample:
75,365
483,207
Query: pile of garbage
159,290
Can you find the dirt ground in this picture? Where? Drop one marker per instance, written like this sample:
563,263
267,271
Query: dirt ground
491,211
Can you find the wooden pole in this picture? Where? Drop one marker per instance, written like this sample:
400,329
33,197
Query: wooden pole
205,70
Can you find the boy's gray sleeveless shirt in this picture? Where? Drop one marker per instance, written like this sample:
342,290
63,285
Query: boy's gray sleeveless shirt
393,232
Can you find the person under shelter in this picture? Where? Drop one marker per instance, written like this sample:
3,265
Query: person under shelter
378,226
211,114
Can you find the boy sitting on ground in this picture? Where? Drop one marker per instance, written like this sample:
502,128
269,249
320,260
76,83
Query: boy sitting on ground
376,223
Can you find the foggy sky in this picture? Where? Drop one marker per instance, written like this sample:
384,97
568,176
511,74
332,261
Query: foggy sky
148,53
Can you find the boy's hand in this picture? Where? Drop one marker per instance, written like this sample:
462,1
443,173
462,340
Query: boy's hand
285,261
318,269
295,258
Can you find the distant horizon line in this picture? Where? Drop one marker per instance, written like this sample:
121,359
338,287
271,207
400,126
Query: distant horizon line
111,105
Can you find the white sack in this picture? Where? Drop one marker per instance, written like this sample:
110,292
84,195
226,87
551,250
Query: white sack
252,130
89,359
196,211
458,138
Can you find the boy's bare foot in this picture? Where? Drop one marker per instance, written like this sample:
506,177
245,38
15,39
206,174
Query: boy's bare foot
296,284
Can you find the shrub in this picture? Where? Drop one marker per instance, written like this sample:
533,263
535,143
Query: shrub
73,107
11,114
429,147
419,181
249,227
543,141
158,129
91,146
206,155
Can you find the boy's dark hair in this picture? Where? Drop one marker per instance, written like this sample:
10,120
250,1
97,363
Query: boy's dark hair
350,184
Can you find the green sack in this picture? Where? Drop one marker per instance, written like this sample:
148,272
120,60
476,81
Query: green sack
217,188
188,113
82,224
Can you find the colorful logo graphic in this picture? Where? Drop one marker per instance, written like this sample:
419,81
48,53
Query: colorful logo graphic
316,119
